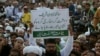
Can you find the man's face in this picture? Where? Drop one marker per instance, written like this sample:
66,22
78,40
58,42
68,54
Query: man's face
13,54
20,34
92,39
87,7
76,47
18,44
31,54
13,38
97,47
50,47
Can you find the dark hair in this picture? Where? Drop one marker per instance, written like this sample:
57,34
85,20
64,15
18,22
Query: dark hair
98,41
91,51
13,34
75,53
15,50
94,35
80,44
50,41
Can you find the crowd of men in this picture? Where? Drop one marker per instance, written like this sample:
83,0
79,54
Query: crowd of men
16,38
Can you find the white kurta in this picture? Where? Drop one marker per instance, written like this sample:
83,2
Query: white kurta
68,47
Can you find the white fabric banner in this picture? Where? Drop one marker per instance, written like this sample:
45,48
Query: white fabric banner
50,22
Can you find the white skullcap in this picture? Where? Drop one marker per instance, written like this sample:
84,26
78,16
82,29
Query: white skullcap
79,6
15,2
1,26
32,49
82,36
9,28
19,38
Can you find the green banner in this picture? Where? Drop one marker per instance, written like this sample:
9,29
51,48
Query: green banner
50,33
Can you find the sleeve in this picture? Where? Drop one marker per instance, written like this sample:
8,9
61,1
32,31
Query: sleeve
32,41
68,47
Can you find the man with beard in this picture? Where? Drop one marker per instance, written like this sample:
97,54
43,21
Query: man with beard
21,32
51,49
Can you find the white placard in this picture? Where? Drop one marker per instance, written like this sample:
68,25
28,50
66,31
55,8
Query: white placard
50,20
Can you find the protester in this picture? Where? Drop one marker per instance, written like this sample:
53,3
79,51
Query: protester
26,18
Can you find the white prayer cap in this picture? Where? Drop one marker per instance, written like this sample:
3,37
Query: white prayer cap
22,26
19,38
79,6
1,26
9,28
20,29
82,36
32,49
15,2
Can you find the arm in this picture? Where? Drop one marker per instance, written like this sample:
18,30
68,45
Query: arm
32,41
68,47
